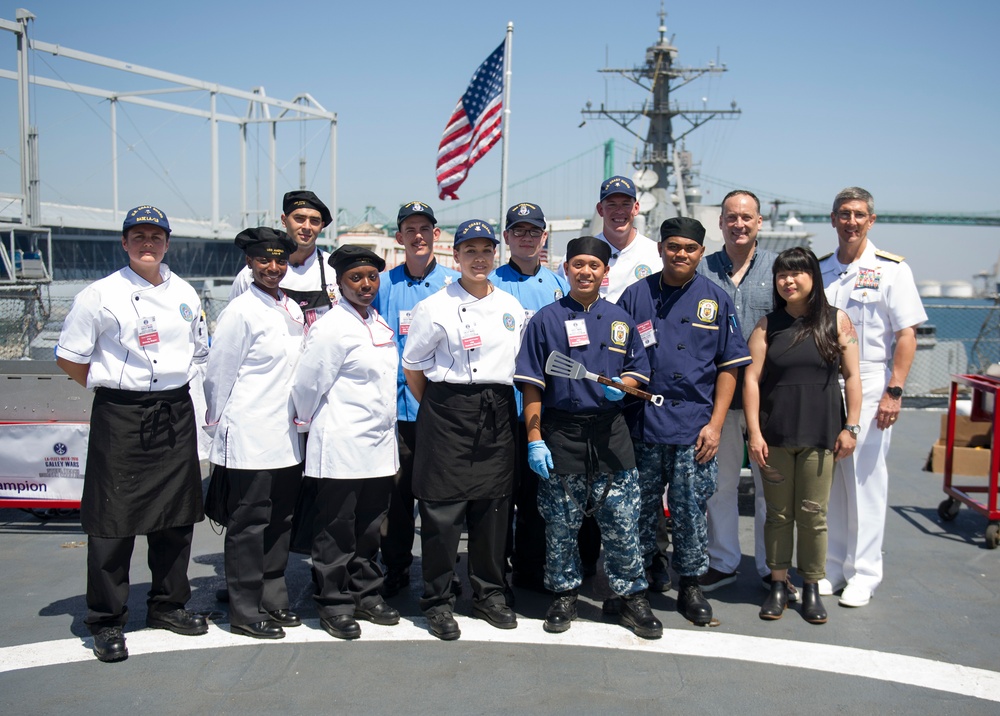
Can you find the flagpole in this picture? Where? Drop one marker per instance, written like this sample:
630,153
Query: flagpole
508,42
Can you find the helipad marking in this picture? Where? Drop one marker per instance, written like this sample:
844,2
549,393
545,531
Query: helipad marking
848,661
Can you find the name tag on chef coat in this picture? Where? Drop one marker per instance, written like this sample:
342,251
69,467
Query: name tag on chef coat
147,331
405,317
470,338
647,333
576,332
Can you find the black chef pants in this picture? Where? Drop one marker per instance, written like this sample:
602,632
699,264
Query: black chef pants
440,532
526,537
349,516
261,503
108,562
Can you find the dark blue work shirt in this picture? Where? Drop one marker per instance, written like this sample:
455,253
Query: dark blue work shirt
614,349
694,335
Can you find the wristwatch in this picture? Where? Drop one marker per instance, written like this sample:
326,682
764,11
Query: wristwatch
895,392
854,430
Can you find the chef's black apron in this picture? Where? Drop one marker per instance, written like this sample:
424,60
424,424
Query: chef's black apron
142,472
465,442
313,303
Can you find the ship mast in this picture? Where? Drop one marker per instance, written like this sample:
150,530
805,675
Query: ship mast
664,170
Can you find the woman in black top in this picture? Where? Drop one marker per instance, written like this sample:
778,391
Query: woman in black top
795,421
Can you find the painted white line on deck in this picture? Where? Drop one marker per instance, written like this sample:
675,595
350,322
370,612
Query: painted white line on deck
847,661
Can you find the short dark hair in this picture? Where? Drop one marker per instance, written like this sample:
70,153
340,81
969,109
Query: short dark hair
740,192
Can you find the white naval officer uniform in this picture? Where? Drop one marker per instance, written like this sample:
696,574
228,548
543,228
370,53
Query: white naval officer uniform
880,297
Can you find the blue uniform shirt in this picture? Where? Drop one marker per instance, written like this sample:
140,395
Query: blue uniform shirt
690,333
398,293
614,349
533,292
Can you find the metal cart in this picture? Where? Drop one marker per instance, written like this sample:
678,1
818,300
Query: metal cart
982,386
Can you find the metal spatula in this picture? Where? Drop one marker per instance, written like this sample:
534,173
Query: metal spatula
563,366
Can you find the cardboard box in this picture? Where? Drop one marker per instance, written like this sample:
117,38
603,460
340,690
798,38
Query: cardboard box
972,447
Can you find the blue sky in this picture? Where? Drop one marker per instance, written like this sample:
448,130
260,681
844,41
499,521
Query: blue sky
899,98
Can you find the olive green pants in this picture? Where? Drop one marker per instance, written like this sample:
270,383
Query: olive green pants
797,490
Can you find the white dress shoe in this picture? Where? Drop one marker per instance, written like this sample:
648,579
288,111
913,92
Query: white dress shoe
827,588
854,595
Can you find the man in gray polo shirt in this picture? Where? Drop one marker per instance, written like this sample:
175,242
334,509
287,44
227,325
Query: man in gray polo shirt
743,271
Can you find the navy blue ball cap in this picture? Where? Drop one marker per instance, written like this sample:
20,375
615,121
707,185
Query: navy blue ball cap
617,185
412,208
295,199
475,229
145,214
525,214
682,227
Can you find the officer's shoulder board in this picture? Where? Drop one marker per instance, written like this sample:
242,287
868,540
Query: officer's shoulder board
888,257
824,257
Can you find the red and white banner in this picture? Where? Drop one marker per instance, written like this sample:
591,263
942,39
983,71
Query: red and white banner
42,461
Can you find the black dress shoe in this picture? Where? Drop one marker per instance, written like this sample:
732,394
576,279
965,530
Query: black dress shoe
341,626
179,621
637,616
561,613
499,615
380,613
774,606
444,626
285,618
259,630
395,582
109,645
813,610
691,602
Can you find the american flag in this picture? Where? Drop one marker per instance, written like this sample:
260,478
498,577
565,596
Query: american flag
474,127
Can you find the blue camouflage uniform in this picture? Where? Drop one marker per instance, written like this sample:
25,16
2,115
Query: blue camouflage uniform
690,333
398,293
587,435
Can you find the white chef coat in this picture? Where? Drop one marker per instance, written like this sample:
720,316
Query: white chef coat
490,328
248,383
136,336
641,258
345,390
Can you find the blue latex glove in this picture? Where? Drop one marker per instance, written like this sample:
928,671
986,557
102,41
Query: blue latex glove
613,393
539,458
